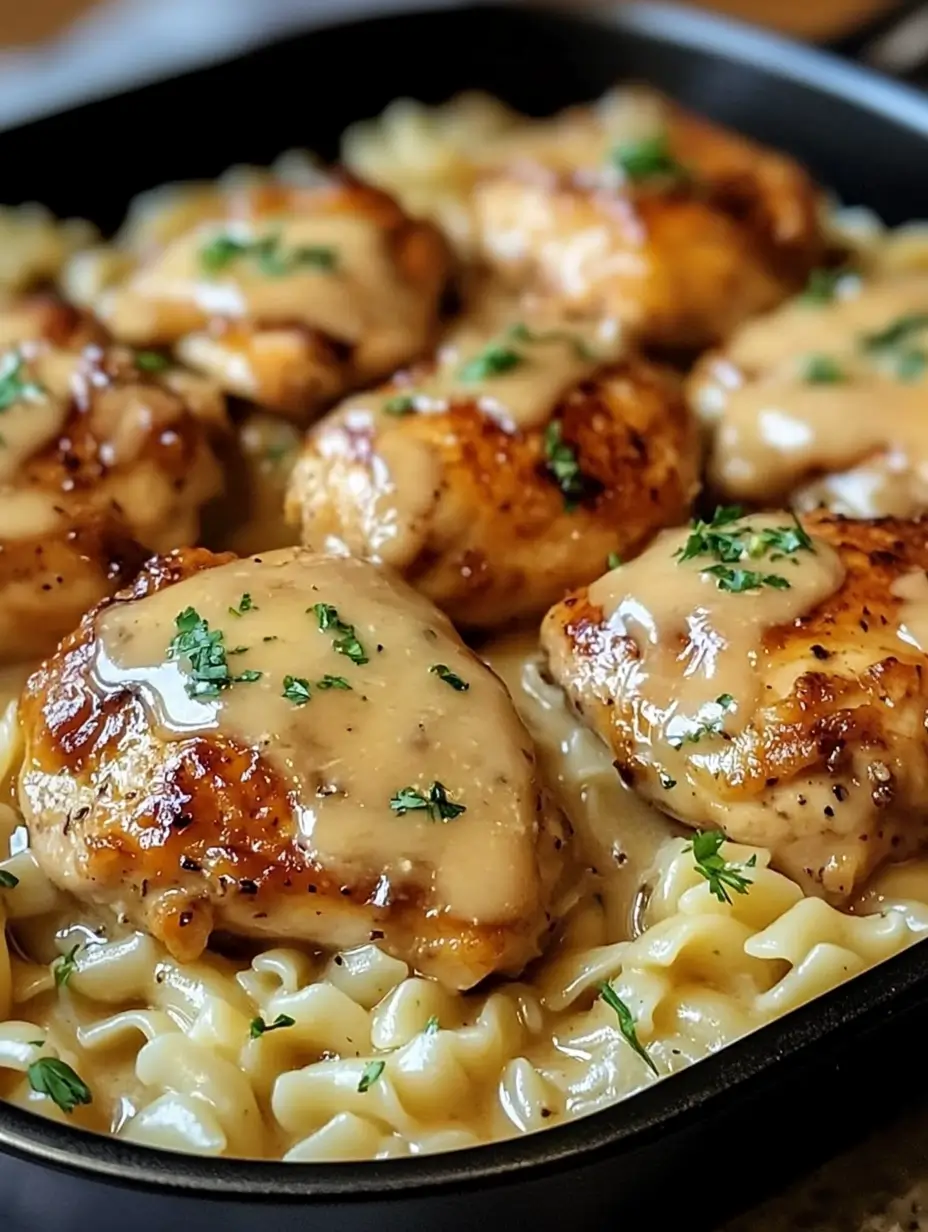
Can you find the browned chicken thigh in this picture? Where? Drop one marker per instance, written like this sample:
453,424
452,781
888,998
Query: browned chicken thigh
768,679
291,746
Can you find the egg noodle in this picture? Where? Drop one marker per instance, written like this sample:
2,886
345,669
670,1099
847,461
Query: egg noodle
291,1053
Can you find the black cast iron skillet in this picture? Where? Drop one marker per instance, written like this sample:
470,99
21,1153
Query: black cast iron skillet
691,1150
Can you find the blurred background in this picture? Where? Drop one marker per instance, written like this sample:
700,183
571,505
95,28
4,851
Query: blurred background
55,52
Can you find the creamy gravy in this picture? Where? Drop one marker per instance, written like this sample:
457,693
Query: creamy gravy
912,589
865,429
347,752
33,419
355,289
699,673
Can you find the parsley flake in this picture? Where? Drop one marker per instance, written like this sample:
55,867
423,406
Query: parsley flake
333,682
151,361
8,880
400,404
493,361
205,651
711,725
51,1077
730,544
372,1071
245,604
648,158
445,673
272,259
346,640
823,284
65,967
296,690
432,1026
564,466
435,802
13,388
626,1023
665,780
613,560
822,370
520,332
893,344
737,581
259,1027
721,874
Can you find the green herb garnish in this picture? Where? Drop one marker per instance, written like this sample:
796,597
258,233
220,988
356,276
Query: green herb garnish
564,466
432,1026
13,388
272,259
648,158
333,682
346,640
8,880
58,1081
738,581
372,1071
259,1027
245,604
205,651
894,345
728,544
626,1023
613,560
822,370
449,677
822,285
665,780
151,361
520,332
65,967
400,404
435,802
710,726
296,690
493,361
721,875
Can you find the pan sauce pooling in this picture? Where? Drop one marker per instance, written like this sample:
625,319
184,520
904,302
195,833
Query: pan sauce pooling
326,1017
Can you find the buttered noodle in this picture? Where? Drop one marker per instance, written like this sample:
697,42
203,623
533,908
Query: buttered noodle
169,1051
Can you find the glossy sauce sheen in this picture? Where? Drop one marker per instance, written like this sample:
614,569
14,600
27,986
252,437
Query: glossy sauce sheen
697,643
347,752
865,434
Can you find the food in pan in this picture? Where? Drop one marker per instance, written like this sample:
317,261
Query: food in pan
400,749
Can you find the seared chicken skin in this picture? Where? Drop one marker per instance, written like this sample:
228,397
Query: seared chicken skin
104,453
630,207
505,471
824,401
779,693
286,294
179,770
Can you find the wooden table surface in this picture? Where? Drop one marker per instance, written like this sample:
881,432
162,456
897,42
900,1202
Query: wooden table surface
25,23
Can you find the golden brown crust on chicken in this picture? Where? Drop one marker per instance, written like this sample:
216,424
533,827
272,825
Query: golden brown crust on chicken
488,533
202,831
681,259
332,285
831,770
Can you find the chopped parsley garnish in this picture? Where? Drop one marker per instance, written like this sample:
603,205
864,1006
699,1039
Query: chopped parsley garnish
822,370
721,875
247,677
894,344
245,604
333,682
626,1023
372,1071
432,1026
272,259
65,967
58,1081
205,651
259,1027
709,726
346,640
613,560
449,677
564,466
13,388
493,361
400,404
648,158
435,802
730,544
520,332
296,690
8,880
665,780
822,286
151,361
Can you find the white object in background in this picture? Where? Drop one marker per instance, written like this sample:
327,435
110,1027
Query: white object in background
131,42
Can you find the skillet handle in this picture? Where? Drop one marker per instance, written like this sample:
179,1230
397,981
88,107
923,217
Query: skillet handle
895,42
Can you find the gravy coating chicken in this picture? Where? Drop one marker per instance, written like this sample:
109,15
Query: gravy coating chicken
768,679
505,471
292,746
103,454
824,401
287,294
630,206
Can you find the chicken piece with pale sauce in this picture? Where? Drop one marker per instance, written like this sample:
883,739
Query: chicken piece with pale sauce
824,401
287,294
768,679
506,470
291,746
104,454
